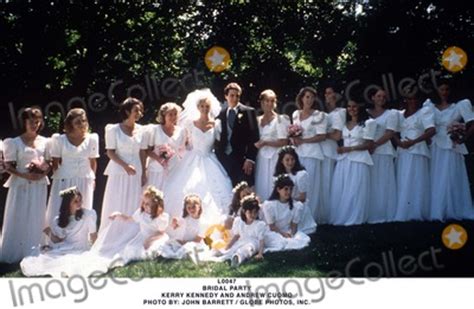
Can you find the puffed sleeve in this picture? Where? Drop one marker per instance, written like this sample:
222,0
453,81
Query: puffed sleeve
151,134
54,146
427,117
392,120
91,221
94,146
217,130
162,221
338,120
137,215
282,126
262,228
268,214
302,180
465,109
111,136
369,129
321,122
237,226
10,150
56,230
295,116
399,120
145,137
297,212
428,103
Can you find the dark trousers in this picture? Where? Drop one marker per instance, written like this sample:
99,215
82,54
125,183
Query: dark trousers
233,165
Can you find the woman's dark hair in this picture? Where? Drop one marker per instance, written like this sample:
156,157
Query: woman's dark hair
301,94
126,107
33,112
249,202
65,210
362,116
281,181
235,204
280,169
435,98
191,198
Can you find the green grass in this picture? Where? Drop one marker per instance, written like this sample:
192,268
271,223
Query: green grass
330,250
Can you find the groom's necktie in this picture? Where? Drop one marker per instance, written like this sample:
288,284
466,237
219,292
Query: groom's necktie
231,118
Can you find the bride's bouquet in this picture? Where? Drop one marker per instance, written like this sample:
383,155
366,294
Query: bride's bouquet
37,166
457,132
165,153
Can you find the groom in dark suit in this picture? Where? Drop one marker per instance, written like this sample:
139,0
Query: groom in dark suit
235,149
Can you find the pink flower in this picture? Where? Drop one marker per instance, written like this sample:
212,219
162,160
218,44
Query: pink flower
457,132
37,166
295,130
165,153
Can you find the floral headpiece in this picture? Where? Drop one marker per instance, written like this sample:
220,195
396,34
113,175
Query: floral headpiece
239,186
70,190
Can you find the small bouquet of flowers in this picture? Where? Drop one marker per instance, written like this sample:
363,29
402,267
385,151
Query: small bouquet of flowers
294,130
457,132
165,153
37,166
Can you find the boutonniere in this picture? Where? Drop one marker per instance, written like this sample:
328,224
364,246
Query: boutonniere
240,115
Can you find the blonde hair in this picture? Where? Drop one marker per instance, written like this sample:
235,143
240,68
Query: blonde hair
166,108
156,197
71,115
191,198
268,94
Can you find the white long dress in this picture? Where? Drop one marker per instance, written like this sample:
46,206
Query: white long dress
307,224
118,244
311,156
248,243
336,121
350,190
25,207
201,173
189,228
76,240
280,214
383,184
74,170
125,240
157,174
267,155
450,193
413,168
122,191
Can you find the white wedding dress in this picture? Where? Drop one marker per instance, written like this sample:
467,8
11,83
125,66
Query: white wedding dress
201,173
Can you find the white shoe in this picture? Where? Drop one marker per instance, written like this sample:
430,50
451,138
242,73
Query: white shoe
235,261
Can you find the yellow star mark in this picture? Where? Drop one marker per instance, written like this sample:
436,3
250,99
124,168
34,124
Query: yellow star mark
217,59
454,236
454,59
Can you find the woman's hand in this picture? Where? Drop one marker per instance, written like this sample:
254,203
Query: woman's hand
130,169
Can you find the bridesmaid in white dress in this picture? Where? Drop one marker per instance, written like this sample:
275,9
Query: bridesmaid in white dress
199,171
135,237
248,234
74,161
310,152
25,207
450,193
288,163
350,189
336,122
273,134
165,134
126,146
283,215
383,194
186,233
71,232
413,162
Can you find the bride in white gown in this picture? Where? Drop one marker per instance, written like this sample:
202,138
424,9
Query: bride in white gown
199,171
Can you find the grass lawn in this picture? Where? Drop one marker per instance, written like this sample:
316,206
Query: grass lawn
331,249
